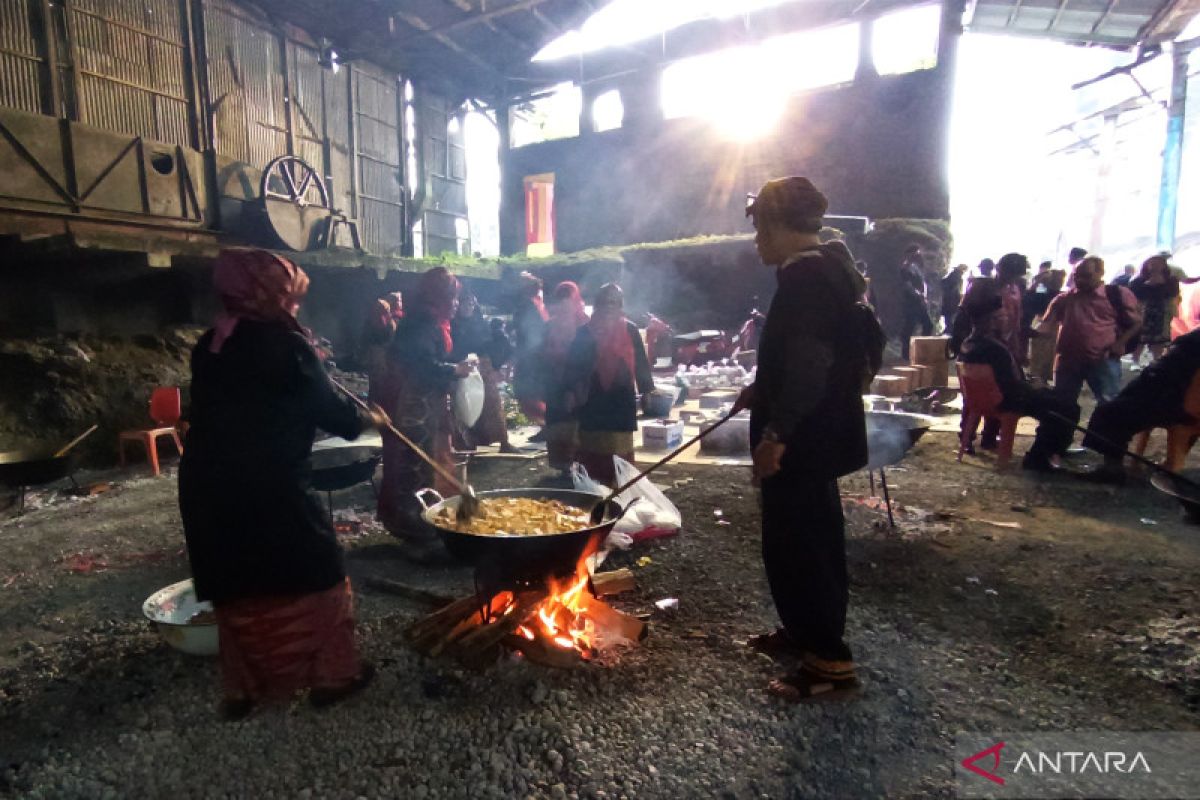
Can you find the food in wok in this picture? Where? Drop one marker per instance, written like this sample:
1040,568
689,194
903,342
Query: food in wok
519,516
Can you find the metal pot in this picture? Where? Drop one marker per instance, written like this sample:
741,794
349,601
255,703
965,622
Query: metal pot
339,468
1189,498
171,609
513,556
22,468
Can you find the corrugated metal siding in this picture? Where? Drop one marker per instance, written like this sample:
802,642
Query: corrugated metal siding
245,74
445,170
380,184
337,128
131,67
21,67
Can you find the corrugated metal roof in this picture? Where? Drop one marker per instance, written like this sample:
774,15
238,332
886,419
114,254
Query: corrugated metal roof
1113,23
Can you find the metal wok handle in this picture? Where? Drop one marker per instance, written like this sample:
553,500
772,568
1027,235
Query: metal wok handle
420,495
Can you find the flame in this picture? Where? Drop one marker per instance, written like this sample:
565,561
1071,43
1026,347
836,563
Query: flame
562,617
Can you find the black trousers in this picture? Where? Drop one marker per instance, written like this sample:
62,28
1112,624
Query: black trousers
1114,423
804,552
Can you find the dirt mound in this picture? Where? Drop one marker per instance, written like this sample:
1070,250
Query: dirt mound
55,388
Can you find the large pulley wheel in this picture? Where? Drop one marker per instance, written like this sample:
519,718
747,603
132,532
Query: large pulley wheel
295,202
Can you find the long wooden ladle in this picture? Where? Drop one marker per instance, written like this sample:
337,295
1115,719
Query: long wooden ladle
468,504
71,444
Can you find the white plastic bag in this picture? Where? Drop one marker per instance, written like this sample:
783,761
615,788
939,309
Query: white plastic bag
651,515
468,399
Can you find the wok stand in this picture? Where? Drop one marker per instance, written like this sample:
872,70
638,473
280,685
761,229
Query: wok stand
887,498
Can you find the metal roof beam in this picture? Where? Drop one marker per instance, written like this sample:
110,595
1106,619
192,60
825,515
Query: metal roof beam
474,19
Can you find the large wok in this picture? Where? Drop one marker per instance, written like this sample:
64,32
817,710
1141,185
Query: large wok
523,557
891,434
23,468
1188,497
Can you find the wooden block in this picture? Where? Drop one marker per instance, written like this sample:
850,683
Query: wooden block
910,375
923,375
888,386
929,350
615,582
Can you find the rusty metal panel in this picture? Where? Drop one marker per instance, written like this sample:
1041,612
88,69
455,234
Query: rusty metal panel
380,177
21,66
245,75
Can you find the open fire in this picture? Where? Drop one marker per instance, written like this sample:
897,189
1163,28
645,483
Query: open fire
558,623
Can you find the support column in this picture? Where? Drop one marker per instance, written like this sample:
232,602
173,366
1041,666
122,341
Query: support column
866,52
1107,142
1168,192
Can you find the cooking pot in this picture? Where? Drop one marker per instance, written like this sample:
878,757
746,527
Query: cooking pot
338,468
512,556
22,468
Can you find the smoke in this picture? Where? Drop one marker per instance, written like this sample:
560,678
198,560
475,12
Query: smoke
890,436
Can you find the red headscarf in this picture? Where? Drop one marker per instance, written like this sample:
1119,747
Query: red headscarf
614,348
436,295
257,285
567,313
395,302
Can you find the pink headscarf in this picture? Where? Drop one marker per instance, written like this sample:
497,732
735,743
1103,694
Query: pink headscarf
437,294
567,313
257,285
614,348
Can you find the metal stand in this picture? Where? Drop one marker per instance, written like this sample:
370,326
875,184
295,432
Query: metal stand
887,499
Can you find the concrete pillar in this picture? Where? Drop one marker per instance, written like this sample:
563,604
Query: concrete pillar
641,96
1172,159
866,52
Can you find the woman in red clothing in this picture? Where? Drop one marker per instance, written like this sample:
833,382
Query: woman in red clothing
567,315
421,358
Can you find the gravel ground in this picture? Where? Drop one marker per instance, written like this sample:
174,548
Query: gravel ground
1073,612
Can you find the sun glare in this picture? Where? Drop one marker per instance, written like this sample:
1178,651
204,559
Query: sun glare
626,21
744,90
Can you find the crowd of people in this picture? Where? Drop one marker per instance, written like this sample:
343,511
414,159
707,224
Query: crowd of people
263,551
1048,335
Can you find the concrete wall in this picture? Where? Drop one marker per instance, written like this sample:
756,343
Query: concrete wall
877,148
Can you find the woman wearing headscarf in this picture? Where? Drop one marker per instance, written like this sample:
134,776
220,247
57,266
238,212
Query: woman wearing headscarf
606,369
473,334
567,315
261,548
421,357
529,324
378,329
1157,293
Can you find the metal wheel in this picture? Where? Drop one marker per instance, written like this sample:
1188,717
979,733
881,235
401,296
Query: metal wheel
292,179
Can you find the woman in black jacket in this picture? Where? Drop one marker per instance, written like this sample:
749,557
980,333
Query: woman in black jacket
261,548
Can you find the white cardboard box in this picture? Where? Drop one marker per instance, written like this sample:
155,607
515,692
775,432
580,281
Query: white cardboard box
662,434
717,398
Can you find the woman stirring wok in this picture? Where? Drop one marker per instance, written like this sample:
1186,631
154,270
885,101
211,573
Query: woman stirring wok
261,548
421,357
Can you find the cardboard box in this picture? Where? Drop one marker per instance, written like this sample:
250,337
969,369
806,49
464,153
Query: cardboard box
718,398
662,434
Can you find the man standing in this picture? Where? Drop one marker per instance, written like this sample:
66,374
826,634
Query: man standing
808,430
1096,325
952,292
914,292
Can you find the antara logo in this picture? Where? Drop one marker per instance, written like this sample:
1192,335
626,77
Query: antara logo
994,752
1069,762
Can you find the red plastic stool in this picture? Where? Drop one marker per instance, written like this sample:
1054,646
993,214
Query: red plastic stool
165,410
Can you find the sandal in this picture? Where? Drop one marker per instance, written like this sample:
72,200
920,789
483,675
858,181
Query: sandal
322,697
778,644
233,709
803,687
